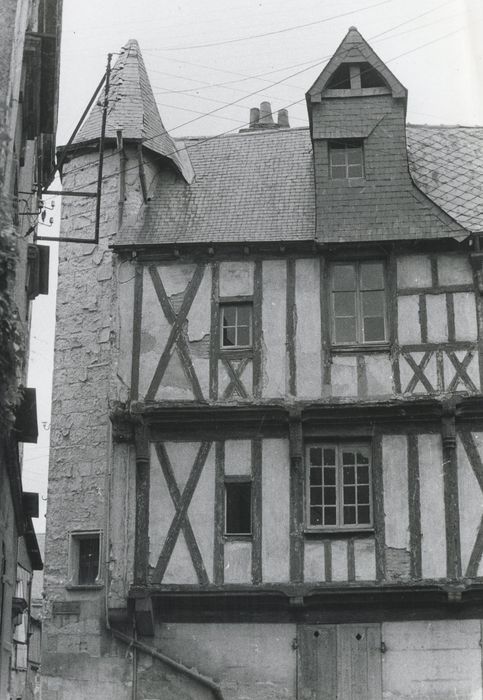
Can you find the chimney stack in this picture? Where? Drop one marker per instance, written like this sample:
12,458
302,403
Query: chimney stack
254,117
282,120
266,118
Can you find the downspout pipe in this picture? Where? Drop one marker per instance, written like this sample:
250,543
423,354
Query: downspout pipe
155,654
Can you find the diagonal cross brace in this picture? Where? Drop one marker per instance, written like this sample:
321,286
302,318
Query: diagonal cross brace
181,521
177,338
418,369
461,374
235,378
476,463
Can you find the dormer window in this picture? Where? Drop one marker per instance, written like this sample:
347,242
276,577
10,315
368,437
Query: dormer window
354,76
346,159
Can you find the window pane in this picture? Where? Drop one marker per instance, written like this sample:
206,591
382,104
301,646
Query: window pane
363,494
349,475
244,315
229,315
372,303
372,276
348,457
344,278
345,303
361,457
238,508
315,456
363,515
243,335
354,171
329,496
345,330
337,156
88,560
363,475
329,456
354,155
316,496
349,495
315,476
330,515
316,516
374,329
229,336
349,515
329,476
339,172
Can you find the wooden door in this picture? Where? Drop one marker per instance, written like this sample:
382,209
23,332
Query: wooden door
339,662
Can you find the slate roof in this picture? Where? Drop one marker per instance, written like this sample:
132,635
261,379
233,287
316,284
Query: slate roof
133,109
259,186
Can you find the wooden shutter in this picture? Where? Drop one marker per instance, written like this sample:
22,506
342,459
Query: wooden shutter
339,662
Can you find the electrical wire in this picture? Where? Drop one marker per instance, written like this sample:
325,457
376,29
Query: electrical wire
210,138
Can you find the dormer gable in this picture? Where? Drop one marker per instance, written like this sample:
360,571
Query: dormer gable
355,70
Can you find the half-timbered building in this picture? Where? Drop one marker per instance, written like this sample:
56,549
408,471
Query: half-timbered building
267,451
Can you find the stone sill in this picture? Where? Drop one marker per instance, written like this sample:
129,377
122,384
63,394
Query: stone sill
84,586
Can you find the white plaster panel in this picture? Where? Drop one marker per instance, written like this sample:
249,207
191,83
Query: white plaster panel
238,457
274,343
182,456
125,287
365,559
378,375
180,567
308,336
201,512
408,326
339,560
465,316
176,277
247,378
395,478
174,383
238,562
154,334
223,379
413,271
454,269
433,540
344,375
236,278
314,562
437,316
201,367
407,373
472,370
434,660
276,510
161,508
199,315
470,502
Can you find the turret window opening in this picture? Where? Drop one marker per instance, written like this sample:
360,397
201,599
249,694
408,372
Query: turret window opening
346,159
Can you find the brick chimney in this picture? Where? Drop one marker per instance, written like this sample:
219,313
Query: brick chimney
262,118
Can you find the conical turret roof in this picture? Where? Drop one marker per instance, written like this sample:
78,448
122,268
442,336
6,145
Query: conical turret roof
133,109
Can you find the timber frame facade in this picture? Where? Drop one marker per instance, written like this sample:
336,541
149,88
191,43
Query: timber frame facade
267,445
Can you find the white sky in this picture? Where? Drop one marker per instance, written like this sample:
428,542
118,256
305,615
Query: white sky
432,46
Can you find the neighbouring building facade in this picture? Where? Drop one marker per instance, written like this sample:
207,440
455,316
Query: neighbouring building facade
267,450
29,62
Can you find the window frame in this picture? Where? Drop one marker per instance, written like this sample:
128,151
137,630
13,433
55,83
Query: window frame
74,559
243,479
346,145
236,303
359,342
339,526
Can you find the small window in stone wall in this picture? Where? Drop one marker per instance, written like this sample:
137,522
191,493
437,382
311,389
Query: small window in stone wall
85,558
346,159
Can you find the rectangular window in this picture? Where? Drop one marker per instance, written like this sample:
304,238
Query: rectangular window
85,556
358,301
236,325
339,486
238,508
346,159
